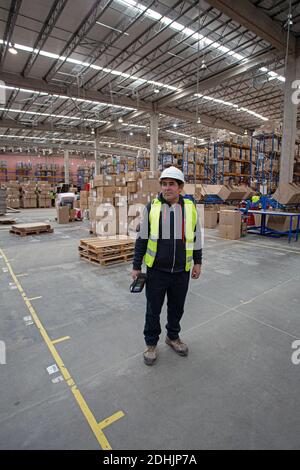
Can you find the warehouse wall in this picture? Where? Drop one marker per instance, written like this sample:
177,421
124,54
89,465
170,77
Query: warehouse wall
13,159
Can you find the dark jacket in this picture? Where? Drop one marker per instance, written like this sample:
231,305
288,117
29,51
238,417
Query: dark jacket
171,253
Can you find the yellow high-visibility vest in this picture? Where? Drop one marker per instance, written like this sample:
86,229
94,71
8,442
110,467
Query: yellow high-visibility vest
255,199
190,225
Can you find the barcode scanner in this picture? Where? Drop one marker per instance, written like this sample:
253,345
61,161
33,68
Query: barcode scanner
138,283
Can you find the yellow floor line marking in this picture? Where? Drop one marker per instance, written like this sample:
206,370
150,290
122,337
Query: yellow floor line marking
35,298
108,421
22,275
59,340
101,438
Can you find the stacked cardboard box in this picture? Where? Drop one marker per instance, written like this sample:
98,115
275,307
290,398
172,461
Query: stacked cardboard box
84,200
43,198
123,193
210,217
287,194
13,194
28,195
230,224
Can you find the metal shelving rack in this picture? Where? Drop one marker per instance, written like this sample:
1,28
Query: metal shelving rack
268,148
3,171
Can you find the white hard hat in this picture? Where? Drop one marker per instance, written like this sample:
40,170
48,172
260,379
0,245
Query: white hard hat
172,172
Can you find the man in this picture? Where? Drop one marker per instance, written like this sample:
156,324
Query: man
168,240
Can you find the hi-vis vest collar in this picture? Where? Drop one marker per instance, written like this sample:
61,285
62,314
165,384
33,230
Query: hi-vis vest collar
190,225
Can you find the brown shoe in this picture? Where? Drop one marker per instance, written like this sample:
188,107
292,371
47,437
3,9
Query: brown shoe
150,355
178,346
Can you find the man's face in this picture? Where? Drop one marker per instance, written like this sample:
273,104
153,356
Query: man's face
170,190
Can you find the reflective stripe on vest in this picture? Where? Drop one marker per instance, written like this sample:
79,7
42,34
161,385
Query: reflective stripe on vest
190,225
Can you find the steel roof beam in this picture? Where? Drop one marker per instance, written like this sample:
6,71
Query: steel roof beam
48,26
10,24
99,7
219,78
255,20
83,148
40,85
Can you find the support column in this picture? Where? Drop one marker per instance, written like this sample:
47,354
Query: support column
154,141
97,158
289,120
67,166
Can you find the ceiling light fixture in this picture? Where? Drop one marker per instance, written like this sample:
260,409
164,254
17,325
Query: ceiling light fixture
156,90
203,65
199,120
174,125
120,120
12,49
110,27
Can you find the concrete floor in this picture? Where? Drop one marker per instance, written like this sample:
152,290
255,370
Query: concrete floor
238,389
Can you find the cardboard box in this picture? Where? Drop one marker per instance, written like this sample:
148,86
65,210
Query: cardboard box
281,223
132,176
148,185
120,191
230,232
287,194
210,218
150,175
72,215
120,180
63,216
132,187
230,217
189,189
106,191
104,180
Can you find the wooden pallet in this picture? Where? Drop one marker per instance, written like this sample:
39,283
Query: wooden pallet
6,221
107,251
107,261
31,229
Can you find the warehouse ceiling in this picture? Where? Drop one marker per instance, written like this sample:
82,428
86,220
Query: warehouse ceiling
101,68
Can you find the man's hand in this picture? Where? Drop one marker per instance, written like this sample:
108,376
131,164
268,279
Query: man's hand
196,271
135,273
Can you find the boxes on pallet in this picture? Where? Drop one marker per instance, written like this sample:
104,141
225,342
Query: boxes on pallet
43,201
29,202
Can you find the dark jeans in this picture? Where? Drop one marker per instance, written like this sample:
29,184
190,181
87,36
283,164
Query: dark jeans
160,283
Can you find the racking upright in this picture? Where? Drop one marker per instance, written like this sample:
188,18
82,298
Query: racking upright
268,149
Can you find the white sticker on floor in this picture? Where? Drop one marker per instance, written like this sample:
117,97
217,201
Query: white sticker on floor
28,320
58,379
52,369
12,286
4,270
